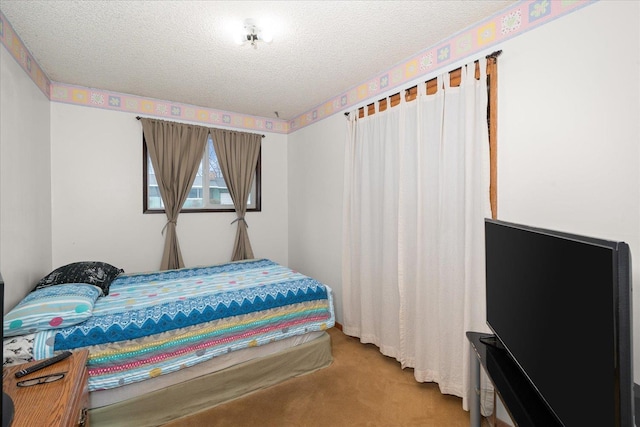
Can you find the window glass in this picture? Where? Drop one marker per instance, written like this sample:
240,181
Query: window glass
214,197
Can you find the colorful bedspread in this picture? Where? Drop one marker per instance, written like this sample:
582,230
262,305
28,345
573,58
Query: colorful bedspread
152,324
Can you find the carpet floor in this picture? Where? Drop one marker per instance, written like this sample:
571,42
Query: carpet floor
361,387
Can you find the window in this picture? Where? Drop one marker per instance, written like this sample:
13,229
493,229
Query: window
209,191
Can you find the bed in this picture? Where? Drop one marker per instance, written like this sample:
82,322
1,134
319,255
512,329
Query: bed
166,344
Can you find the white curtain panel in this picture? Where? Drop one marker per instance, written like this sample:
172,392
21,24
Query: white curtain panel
416,195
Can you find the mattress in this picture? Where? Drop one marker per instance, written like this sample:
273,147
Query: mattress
154,324
100,398
201,393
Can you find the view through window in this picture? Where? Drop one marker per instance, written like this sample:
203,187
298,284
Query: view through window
209,192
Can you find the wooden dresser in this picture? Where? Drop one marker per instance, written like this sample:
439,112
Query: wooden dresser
61,403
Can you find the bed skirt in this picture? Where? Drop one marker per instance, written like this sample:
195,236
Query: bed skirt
204,392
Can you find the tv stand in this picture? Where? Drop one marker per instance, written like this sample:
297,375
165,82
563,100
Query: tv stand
521,401
491,341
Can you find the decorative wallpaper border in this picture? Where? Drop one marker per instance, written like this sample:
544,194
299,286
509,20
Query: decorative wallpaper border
10,39
98,98
521,17
150,107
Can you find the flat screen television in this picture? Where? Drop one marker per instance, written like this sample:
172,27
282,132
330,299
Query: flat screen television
560,304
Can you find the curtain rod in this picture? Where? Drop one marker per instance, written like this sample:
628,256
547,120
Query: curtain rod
138,118
493,55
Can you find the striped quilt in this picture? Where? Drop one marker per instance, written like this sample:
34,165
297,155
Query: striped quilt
152,324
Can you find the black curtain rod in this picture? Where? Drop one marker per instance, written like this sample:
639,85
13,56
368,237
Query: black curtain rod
493,55
138,118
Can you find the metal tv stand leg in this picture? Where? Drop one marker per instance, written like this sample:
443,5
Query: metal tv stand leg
475,385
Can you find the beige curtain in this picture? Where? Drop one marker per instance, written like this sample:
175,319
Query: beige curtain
176,150
238,155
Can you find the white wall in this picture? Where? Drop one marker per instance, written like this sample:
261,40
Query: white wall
97,198
568,143
25,184
315,202
569,129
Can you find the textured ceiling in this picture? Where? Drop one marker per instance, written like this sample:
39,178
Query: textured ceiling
182,51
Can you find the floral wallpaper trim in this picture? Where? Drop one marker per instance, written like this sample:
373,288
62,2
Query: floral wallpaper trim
148,107
513,21
521,17
14,45
78,95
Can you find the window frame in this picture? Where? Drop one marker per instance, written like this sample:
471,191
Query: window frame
145,187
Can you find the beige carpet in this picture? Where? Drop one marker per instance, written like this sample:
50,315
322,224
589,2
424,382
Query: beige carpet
361,388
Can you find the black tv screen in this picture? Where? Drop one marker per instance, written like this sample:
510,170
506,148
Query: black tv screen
560,304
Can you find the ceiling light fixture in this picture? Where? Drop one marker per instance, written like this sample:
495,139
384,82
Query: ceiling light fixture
252,34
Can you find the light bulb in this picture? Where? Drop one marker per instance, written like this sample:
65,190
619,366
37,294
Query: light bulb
239,38
266,36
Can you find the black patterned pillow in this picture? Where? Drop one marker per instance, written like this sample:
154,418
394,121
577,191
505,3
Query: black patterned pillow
95,273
